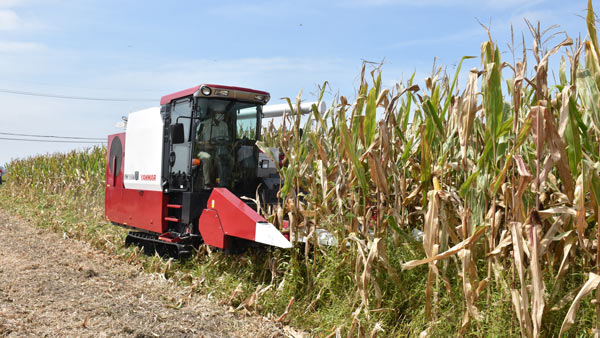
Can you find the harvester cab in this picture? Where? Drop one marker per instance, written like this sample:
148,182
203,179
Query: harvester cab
212,144
177,175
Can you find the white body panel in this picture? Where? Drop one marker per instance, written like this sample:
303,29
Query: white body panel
143,150
266,166
275,110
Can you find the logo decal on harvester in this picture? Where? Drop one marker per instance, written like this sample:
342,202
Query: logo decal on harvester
137,177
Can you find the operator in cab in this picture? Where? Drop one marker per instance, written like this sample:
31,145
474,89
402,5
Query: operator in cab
214,143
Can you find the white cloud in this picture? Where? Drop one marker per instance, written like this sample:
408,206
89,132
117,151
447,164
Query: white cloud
12,20
271,9
9,20
566,20
23,3
544,16
17,46
437,39
10,3
496,4
280,75
508,3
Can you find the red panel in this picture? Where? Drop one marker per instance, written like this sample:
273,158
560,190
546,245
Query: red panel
137,208
237,218
182,93
168,98
211,230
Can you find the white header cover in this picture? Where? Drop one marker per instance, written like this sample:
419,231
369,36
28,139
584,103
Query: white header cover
143,150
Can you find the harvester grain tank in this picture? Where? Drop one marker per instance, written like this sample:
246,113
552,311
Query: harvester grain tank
176,175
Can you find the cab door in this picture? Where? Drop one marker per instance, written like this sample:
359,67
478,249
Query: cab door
180,154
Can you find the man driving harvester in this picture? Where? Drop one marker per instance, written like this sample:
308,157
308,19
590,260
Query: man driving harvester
214,139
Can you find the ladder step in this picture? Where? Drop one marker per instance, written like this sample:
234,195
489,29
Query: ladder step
167,237
171,219
174,206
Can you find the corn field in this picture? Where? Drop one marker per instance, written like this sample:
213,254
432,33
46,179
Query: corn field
493,184
75,172
500,176
68,188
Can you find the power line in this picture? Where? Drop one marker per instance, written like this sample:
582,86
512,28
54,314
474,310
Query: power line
50,141
55,136
76,97
63,85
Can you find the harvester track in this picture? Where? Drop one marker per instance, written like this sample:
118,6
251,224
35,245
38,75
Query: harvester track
152,244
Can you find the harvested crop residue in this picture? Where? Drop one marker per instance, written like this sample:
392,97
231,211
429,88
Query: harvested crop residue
51,286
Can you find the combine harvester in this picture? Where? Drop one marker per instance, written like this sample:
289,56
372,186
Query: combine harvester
177,174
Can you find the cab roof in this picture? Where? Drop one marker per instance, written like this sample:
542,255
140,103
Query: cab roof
190,91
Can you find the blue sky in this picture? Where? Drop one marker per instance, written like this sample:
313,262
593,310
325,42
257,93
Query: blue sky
146,49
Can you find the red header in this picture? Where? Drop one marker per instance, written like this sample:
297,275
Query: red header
190,91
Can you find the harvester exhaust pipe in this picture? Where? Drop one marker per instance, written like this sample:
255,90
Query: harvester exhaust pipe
276,110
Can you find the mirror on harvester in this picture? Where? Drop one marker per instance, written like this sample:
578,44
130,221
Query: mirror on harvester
177,136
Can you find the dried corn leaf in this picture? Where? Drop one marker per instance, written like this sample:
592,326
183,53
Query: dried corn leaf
467,109
525,178
470,298
579,203
564,264
522,307
431,226
549,235
467,243
366,276
505,241
517,303
559,153
431,274
537,299
589,286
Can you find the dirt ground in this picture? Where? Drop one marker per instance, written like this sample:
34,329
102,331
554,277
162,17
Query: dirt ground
52,286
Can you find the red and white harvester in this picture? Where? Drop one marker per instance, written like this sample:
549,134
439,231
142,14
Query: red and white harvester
177,174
